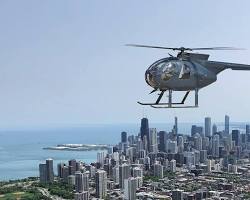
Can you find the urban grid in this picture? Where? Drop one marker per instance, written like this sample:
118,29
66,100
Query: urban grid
206,164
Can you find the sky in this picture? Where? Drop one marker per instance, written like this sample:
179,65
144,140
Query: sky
65,62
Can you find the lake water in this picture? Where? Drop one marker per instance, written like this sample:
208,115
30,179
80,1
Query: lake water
21,150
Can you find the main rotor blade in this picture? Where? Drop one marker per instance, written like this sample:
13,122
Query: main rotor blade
148,46
217,48
185,49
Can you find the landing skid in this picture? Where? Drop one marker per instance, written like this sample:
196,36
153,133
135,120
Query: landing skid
170,104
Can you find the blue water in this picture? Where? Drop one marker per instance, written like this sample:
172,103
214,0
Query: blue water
21,150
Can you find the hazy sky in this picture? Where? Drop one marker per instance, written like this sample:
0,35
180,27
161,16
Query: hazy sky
64,62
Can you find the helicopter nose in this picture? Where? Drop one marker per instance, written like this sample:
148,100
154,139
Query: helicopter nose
150,78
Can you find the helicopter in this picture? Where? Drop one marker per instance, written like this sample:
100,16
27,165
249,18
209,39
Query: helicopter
185,72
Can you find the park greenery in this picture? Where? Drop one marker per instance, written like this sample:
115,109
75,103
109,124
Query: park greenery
60,189
16,192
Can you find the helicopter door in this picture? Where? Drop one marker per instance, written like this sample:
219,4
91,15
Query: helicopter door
185,72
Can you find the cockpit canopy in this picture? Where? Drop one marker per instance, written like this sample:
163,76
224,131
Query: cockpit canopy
167,68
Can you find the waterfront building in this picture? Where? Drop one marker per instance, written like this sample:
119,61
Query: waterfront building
46,172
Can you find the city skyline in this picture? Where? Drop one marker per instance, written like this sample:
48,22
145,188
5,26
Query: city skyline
66,63
161,164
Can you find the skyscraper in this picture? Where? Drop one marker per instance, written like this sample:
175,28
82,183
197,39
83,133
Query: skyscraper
101,157
158,170
162,141
180,144
124,137
72,167
101,184
153,144
79,182
176,126
43,173
50,172
46,171
247,129
130,186
215,146
214,129
173,165
227,125
207,126
236,137
203,156
124,173
144,128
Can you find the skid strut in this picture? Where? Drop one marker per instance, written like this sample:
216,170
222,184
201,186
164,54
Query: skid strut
170,103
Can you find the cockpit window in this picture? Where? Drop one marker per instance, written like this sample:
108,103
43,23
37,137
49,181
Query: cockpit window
168,70
185,72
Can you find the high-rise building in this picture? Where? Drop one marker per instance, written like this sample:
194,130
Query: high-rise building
172,146
130,186
60,169
101,184
180,143
227,125
214,129
173,165
198,142
247,129
162,141
176,126
236,137
46,171
124,137
101,157
65,173
153,144
196,129
177,194
43,173
115,174
79,182
144,128
124,173
82,195
137,172
203,156
207,126
72,167
215,146
158,170
50,172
